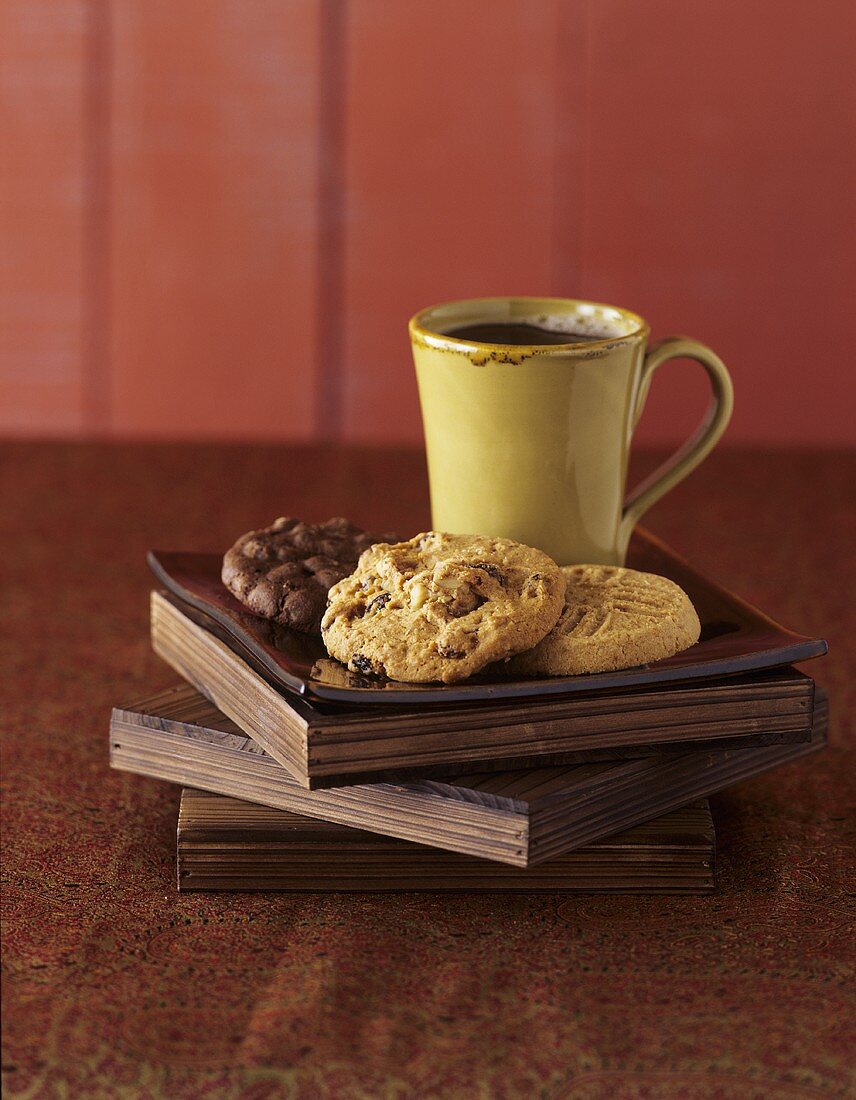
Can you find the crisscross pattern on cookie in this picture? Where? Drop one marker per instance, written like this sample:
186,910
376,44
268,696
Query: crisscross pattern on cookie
613,618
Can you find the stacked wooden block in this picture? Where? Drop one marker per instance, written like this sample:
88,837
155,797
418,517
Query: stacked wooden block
596,790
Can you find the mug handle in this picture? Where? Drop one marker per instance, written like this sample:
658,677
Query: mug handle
700,443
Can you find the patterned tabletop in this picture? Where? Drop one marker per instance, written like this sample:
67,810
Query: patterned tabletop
116,986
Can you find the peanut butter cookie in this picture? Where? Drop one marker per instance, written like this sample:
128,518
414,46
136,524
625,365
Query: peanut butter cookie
441,607
613,618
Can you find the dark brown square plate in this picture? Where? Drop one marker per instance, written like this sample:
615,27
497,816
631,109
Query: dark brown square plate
735,638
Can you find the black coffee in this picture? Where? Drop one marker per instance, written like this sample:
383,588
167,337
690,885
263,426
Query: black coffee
512,332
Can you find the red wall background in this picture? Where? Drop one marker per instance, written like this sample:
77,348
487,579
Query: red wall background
217,215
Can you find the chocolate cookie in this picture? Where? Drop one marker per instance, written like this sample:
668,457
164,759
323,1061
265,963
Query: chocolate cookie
284,572
613,618
441,607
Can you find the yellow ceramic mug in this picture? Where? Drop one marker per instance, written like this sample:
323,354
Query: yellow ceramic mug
532,442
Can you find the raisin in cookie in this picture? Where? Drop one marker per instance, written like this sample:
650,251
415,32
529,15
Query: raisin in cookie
284,572
441,607
613,618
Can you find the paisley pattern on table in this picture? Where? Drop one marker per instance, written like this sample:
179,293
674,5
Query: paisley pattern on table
114,985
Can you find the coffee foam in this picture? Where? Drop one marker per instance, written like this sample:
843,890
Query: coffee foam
593,325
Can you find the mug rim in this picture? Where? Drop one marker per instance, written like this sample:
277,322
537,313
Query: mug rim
421,332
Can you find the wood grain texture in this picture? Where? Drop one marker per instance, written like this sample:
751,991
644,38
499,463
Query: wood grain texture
254,705
226,844
111,986
338,746
520,817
